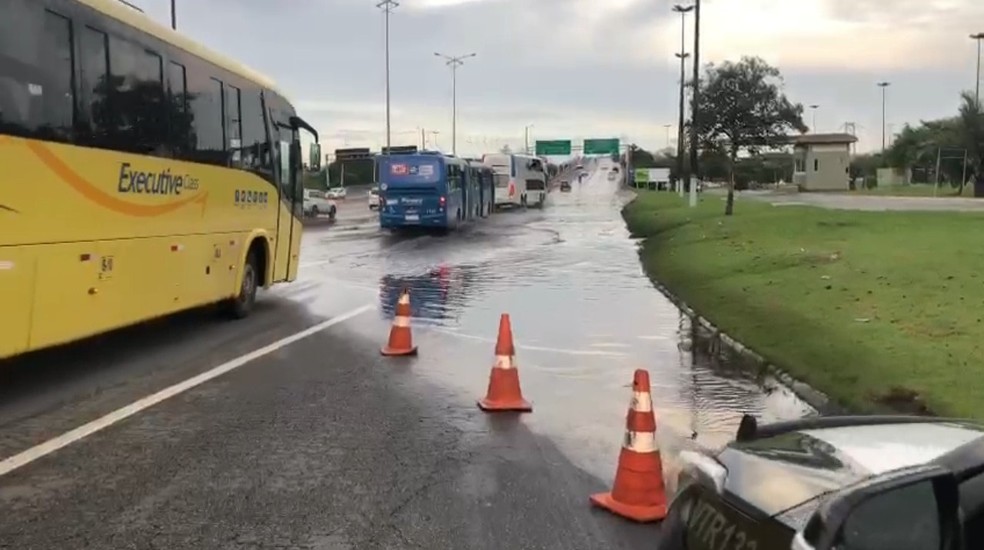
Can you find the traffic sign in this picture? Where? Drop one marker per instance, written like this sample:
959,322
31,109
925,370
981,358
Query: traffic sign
553,147
352,154
601,146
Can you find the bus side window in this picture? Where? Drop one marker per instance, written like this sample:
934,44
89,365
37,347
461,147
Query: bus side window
36,95
254,141
135,118
234,125
180,118
95,84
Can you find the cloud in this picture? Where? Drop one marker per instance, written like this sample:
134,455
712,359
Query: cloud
583,68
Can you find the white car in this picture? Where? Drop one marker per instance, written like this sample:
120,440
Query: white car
373,198
316,204
336,193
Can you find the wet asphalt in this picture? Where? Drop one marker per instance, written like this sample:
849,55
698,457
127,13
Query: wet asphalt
324,444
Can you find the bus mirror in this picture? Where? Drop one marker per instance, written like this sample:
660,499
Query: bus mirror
314,157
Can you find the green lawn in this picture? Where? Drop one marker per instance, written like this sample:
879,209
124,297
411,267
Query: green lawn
872,308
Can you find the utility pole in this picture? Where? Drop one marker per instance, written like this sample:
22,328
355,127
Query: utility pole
388,6
527,137
454,63
695,110
977,83
814,127
423,140
883,85
174,18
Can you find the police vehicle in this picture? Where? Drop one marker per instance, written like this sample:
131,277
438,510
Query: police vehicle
834,483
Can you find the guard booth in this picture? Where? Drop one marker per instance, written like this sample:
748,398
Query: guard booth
822,162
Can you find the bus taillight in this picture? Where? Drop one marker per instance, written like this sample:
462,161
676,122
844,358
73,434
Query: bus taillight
512,188
442,200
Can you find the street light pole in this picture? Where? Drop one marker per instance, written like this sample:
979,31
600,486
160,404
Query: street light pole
695,110
814,108
388,6
454,63
527,137
682,10
883,85
977,87
174,15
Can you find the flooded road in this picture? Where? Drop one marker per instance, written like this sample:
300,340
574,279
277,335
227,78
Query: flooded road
288,429
584,317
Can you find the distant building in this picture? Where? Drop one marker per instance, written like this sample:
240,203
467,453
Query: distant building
822,162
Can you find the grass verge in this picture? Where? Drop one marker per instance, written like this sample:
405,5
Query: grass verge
880,310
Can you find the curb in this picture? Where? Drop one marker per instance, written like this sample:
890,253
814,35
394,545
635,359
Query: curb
811,396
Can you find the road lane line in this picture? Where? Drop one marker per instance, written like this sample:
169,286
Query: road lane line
30,455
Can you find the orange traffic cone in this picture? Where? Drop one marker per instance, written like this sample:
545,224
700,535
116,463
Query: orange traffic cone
400,339
639,492
504,392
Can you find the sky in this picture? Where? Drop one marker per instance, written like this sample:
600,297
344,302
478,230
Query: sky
576,69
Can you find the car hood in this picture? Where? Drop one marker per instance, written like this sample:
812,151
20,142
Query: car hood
799,469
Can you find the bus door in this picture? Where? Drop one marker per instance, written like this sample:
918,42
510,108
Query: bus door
288,238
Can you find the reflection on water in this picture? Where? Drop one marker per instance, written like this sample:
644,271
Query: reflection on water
437,296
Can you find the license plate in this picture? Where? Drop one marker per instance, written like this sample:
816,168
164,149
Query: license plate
412,217
713,528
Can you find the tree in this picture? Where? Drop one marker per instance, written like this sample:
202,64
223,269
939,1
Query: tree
916,148
506,149
743,108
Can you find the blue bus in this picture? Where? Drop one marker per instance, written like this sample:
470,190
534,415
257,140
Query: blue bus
428,190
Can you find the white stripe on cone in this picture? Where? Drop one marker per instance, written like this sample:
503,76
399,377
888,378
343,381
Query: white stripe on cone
640,442
642,402
404,299
400,321
503,362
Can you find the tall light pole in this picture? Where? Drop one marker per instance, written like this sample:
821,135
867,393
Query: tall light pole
667,127
526,131
814,108
695,109
174,17
454,63
682,10
977,87
388,6
883,86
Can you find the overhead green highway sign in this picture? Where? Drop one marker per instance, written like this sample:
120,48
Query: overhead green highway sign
553,147
601,146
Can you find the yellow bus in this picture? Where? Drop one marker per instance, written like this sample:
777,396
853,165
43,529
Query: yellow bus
140,174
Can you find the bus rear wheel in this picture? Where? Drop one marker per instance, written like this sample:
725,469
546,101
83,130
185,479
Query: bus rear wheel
242,305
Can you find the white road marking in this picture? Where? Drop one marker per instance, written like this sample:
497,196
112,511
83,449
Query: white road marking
30,455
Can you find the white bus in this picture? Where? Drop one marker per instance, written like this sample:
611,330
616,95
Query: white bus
520,180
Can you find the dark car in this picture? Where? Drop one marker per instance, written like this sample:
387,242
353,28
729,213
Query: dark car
826,483
565,186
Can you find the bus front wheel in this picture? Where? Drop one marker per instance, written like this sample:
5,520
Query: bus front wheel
242,305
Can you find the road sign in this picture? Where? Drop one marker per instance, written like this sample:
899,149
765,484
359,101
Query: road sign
601,146
553,147
352,154
400,150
